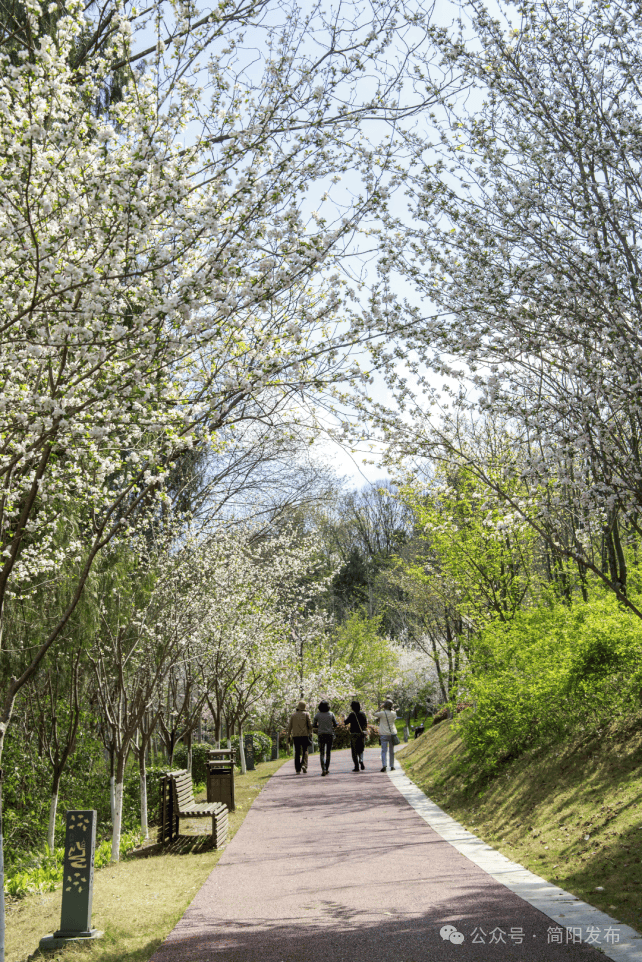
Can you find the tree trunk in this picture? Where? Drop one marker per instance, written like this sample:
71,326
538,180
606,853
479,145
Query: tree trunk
112,779
1,871
118,807
406,727
171,745
242,751
53,808
189,752
144,827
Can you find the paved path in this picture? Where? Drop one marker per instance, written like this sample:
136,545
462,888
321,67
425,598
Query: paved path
342,869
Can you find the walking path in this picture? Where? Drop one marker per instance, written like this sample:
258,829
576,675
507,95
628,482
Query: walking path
344,869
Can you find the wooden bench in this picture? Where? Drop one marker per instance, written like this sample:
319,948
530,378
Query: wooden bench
177,801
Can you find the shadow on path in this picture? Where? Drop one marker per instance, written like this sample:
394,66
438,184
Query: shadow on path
342,869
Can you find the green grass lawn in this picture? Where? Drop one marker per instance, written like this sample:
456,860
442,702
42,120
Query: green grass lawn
570,813
138,901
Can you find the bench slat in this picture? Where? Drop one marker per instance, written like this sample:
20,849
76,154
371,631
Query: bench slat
183,793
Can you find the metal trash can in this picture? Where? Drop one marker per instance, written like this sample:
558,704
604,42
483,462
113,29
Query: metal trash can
220,776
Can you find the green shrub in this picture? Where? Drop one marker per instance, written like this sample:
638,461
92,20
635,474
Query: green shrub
84,784
549,672
442,714
199,759
46,873
262,746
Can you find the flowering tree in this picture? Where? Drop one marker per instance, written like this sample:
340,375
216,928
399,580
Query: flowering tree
154,293
154,290
243,647
148,611
524,249
56,719
415,682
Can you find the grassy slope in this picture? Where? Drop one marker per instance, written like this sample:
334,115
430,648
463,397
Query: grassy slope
138,901
570,813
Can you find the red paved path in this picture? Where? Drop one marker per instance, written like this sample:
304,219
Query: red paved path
342,869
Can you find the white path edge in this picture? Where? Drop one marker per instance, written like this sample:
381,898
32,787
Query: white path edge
565,909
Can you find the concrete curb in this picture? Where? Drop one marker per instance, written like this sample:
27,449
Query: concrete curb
565,909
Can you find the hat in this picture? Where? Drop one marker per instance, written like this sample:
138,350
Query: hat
301,706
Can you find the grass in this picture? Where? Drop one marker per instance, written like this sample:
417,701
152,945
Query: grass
138,901
569,812
400,724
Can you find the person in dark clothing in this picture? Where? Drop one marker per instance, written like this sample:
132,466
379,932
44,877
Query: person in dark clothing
358,725
325,723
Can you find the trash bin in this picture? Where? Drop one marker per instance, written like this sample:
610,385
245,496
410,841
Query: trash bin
220,777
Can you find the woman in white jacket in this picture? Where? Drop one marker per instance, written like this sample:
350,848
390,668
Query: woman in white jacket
387,730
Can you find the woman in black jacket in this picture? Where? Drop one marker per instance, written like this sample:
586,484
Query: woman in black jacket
358,725
325,723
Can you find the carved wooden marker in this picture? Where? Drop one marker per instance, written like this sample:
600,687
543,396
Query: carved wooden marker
78,882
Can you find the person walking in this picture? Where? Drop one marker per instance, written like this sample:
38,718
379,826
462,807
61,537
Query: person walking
325,723
300,730
358,725
387,733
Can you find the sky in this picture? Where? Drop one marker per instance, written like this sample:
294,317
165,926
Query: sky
351,464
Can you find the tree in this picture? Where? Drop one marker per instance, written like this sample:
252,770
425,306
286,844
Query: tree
259,636
55,713
149,608
358,646
414,683
155,292
483,550
431,615
152,296
524,238
364,529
